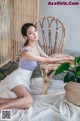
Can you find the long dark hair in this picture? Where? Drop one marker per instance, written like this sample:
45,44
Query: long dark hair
24,30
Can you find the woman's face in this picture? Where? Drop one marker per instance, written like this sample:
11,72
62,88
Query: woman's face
32,34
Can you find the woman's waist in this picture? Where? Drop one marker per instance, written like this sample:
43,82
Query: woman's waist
27,64
22,72
28,67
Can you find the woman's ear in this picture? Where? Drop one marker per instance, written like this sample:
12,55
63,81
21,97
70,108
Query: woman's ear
25,37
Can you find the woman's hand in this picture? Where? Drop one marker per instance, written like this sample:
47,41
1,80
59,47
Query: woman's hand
61,58
68,58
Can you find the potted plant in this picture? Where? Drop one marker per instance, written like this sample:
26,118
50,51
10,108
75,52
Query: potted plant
72,80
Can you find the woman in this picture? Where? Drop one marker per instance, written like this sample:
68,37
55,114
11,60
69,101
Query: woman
18,81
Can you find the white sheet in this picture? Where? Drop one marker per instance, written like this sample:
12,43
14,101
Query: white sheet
50,107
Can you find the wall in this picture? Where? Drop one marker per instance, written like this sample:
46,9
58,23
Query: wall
70,16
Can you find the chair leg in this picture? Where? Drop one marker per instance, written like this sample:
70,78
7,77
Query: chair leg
45,87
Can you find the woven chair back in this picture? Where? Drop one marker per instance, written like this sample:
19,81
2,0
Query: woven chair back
51,34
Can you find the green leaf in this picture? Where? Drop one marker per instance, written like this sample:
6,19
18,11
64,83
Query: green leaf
78,79
76,61
70,76
78,70
64,66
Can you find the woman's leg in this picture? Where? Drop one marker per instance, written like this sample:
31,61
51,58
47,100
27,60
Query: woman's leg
23,100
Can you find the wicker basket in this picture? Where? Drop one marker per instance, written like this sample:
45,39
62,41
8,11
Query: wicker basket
72,92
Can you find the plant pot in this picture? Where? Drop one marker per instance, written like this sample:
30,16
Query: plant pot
72,92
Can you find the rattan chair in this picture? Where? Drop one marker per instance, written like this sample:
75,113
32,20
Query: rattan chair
51,39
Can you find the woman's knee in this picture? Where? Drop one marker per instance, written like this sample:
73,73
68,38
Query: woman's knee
27,102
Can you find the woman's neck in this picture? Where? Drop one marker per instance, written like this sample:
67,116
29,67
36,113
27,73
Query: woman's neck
32,45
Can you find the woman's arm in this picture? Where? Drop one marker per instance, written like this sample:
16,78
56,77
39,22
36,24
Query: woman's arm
30,56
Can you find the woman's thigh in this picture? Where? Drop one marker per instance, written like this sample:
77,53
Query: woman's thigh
21,91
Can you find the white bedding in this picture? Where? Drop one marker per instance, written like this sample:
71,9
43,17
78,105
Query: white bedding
50,107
